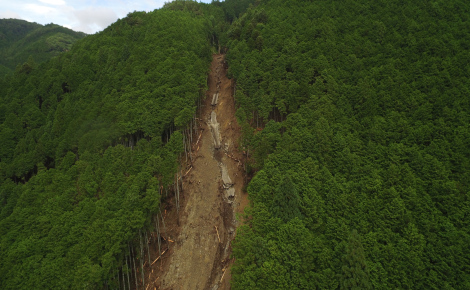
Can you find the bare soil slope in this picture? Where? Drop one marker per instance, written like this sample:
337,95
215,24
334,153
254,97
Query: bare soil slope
199,235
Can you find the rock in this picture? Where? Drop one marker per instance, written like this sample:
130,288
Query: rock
225,177
214,125
230,193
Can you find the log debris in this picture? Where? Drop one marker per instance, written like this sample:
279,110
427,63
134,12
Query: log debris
158,257
217,233
224,270
198,138
187,171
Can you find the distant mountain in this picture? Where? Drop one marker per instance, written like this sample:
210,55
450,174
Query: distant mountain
19,39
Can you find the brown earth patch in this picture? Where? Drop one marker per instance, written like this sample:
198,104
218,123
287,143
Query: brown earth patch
198,235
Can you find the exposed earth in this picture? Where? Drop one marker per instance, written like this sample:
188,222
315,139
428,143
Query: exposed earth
196,239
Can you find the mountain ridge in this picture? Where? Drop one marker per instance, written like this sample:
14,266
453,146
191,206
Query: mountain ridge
20,39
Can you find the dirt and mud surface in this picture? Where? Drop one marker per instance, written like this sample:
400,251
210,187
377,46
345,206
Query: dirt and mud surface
197,237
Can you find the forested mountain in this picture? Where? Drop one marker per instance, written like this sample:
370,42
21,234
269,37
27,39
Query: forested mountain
356,127
90,140
356,114
20,39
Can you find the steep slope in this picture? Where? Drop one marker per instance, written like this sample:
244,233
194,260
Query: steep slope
90,142
201,233
356,118
355,121
20,39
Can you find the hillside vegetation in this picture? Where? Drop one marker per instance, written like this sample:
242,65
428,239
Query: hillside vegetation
362,147
356,128
89,142
20,39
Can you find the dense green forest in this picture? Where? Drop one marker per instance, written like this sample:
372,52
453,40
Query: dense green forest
361,150
355,119
90,141
20,39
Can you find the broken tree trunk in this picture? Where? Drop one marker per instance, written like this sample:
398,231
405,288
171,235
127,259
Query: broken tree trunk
215,99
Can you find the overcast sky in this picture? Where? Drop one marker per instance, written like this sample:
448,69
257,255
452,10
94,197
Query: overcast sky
89,16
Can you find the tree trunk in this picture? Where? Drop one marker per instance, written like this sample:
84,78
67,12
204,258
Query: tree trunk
127,270
157,226
135,271
123,281
164,227
181,177
177,193
141,258
147,244
119,281
184,144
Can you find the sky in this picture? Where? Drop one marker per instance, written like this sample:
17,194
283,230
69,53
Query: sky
89,16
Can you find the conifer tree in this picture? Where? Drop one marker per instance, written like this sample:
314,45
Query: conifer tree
355,274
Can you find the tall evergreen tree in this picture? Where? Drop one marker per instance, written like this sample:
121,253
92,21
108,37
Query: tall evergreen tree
355,274
286,201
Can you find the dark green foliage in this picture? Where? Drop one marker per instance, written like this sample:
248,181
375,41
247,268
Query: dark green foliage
234,8
356,116
20,39
89,141
286,201
13,30
355,274
214,13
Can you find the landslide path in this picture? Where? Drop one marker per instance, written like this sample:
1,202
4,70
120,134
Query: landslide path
199,235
